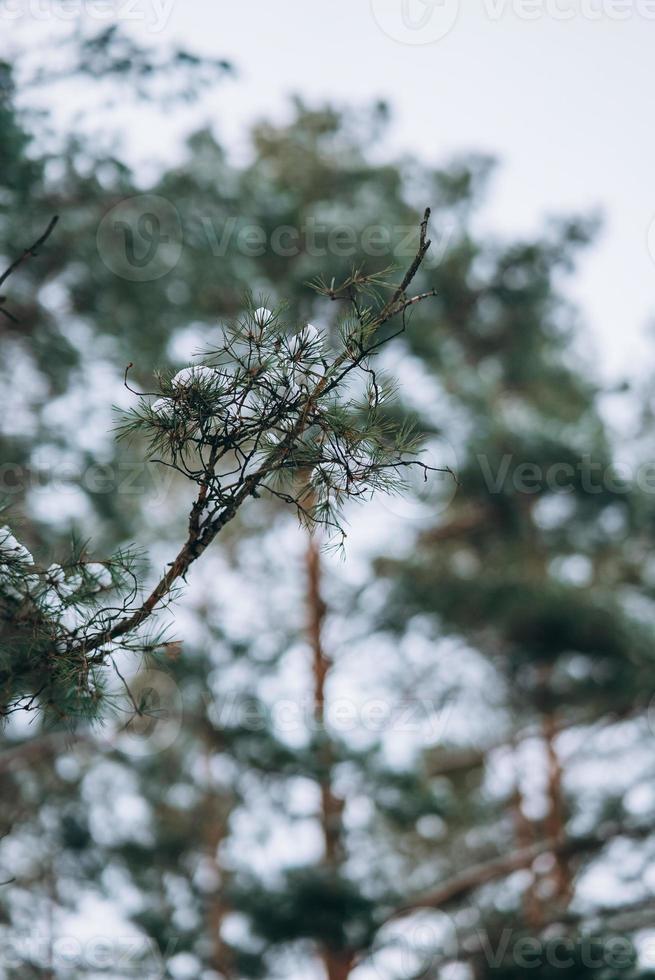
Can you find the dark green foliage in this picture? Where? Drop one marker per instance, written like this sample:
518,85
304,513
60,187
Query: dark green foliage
311,904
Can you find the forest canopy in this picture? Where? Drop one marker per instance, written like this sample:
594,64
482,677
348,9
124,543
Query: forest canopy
433,758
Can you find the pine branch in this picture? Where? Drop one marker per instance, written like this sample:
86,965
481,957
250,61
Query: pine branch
270,412
200,538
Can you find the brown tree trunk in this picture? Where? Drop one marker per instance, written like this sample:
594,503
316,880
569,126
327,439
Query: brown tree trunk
338,964
215,814
525,838
556,818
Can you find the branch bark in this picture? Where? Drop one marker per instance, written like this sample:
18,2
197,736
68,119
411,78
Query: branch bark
30,252
461,885
337,963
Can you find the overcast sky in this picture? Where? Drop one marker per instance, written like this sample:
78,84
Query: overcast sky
559,90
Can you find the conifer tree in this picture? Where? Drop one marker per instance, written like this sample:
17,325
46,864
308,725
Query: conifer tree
237,846
536,564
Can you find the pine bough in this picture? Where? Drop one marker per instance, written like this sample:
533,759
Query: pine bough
269,411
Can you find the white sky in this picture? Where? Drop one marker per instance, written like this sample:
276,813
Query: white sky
562,97
565,104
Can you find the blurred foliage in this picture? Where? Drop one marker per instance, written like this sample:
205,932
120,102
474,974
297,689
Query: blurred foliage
522,604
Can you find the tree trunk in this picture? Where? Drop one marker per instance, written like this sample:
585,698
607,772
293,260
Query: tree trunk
525,838
337,963
215,820
556,818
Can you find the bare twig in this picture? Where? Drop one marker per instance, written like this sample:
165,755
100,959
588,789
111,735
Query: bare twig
30,252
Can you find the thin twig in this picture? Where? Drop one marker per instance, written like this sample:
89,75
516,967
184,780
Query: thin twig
30,252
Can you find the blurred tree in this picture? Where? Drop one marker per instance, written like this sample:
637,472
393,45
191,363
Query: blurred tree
538,564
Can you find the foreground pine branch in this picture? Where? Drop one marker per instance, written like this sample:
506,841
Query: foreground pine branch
270,410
